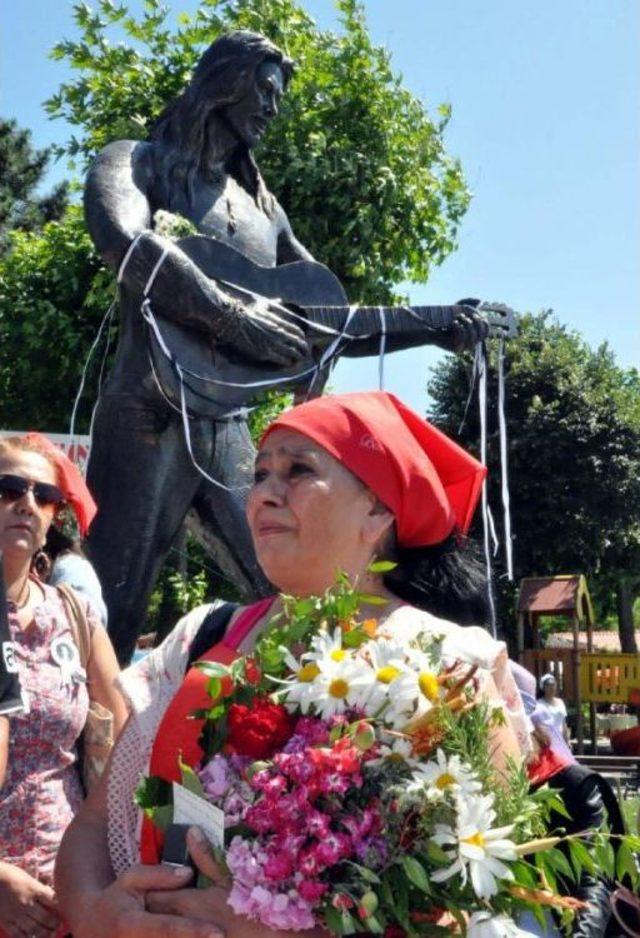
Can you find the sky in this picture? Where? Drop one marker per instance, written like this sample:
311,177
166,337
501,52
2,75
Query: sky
546,122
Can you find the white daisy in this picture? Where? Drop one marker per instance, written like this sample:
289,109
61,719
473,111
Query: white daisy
297,691
414,694
444,775
326,647
476,849
344,685
394,748
387,662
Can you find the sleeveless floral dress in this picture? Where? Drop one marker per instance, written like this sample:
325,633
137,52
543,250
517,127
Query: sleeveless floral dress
42,791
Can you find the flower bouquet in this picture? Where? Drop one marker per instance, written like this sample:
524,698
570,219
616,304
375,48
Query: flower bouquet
353,765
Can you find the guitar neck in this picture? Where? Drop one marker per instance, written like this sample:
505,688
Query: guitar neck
374,320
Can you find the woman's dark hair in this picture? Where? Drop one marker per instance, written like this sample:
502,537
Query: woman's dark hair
447,579
187,126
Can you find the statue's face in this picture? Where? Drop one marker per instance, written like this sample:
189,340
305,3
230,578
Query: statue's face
250,116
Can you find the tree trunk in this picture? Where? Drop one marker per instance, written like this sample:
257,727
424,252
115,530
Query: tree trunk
625,617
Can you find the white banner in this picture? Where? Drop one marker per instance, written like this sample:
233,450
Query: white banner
76,449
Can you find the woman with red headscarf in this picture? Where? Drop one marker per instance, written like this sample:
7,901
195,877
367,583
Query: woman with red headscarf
338,481
42,789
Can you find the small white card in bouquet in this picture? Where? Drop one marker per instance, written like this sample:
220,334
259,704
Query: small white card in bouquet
191,809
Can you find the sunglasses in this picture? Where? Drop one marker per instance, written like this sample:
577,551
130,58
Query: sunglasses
12,488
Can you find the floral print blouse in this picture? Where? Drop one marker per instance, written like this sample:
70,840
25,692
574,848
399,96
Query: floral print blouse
42,790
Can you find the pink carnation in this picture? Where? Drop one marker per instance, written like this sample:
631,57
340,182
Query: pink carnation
215,777
252,895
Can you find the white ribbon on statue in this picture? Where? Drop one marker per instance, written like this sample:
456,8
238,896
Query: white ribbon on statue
487,521
383,346
504,464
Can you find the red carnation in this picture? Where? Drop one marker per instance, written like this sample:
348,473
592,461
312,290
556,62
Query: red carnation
258,730
252,672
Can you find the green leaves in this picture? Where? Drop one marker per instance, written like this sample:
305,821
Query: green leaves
154,796
416,873
573,419
190,780
355,159
382,566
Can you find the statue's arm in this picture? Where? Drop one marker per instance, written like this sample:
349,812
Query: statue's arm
118,212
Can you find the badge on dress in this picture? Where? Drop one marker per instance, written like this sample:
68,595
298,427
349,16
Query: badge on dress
65,654
9,657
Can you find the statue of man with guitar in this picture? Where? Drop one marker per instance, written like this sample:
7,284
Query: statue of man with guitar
207,323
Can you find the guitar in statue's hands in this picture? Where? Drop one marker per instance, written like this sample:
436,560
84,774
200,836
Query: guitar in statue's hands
216,379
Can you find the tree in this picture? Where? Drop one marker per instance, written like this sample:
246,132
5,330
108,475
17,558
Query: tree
21,171
573,420
355,159
53,295
357,162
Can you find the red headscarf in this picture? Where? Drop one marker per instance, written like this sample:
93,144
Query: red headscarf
72,485
429,483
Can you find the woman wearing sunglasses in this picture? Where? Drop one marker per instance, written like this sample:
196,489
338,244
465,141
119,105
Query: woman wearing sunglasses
42,789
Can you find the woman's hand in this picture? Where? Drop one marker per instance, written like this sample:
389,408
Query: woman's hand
119,910
26,906
210,904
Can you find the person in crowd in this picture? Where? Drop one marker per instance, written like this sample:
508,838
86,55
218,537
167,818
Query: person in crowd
338,481
551,710
587,796
67,564
42,789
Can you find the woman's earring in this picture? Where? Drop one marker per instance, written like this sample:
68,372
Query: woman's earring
41,565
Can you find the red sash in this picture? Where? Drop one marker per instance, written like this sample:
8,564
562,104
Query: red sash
178,733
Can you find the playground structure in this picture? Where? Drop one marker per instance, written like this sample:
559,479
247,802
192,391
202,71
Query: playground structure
581,676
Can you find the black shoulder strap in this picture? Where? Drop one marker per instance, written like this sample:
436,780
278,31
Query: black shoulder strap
211,630
617,823
576,774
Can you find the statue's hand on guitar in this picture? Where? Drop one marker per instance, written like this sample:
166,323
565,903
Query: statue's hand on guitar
265,332
468,328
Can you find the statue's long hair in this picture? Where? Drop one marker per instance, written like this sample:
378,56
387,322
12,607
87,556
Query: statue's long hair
188,125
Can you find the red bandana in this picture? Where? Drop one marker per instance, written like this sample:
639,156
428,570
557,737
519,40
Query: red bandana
73,486
430,484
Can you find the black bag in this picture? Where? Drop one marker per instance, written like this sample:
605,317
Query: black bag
211,630
10,690
587,796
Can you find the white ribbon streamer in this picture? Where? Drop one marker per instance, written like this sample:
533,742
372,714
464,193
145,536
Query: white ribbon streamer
332,350
504,464
127,256
106,320
383,346
481,361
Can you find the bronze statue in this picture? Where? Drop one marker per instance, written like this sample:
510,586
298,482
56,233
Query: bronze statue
198,163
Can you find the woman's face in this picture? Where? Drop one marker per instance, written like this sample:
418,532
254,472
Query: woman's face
550,689
23,522
310,518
